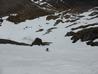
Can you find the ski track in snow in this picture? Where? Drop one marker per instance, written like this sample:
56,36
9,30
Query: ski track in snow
63,56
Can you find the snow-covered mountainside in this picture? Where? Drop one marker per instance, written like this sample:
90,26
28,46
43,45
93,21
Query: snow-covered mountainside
83,26
41,38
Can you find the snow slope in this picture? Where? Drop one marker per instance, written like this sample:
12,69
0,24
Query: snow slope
63,56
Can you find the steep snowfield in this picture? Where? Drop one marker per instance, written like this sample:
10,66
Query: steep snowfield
63,56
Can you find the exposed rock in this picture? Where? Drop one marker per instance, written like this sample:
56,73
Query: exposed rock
50,17
1,20
40,30
28,13
92,43
85,26
67,16
7,41
50,30
88,35
58,21
93,14
76,5
12,6
24,10
39,42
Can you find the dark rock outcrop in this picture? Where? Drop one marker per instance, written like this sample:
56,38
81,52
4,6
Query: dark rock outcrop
37,41
7,41
87,35
73,3
26,9
20,10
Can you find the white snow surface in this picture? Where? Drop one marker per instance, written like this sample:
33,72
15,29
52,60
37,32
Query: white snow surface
63,56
